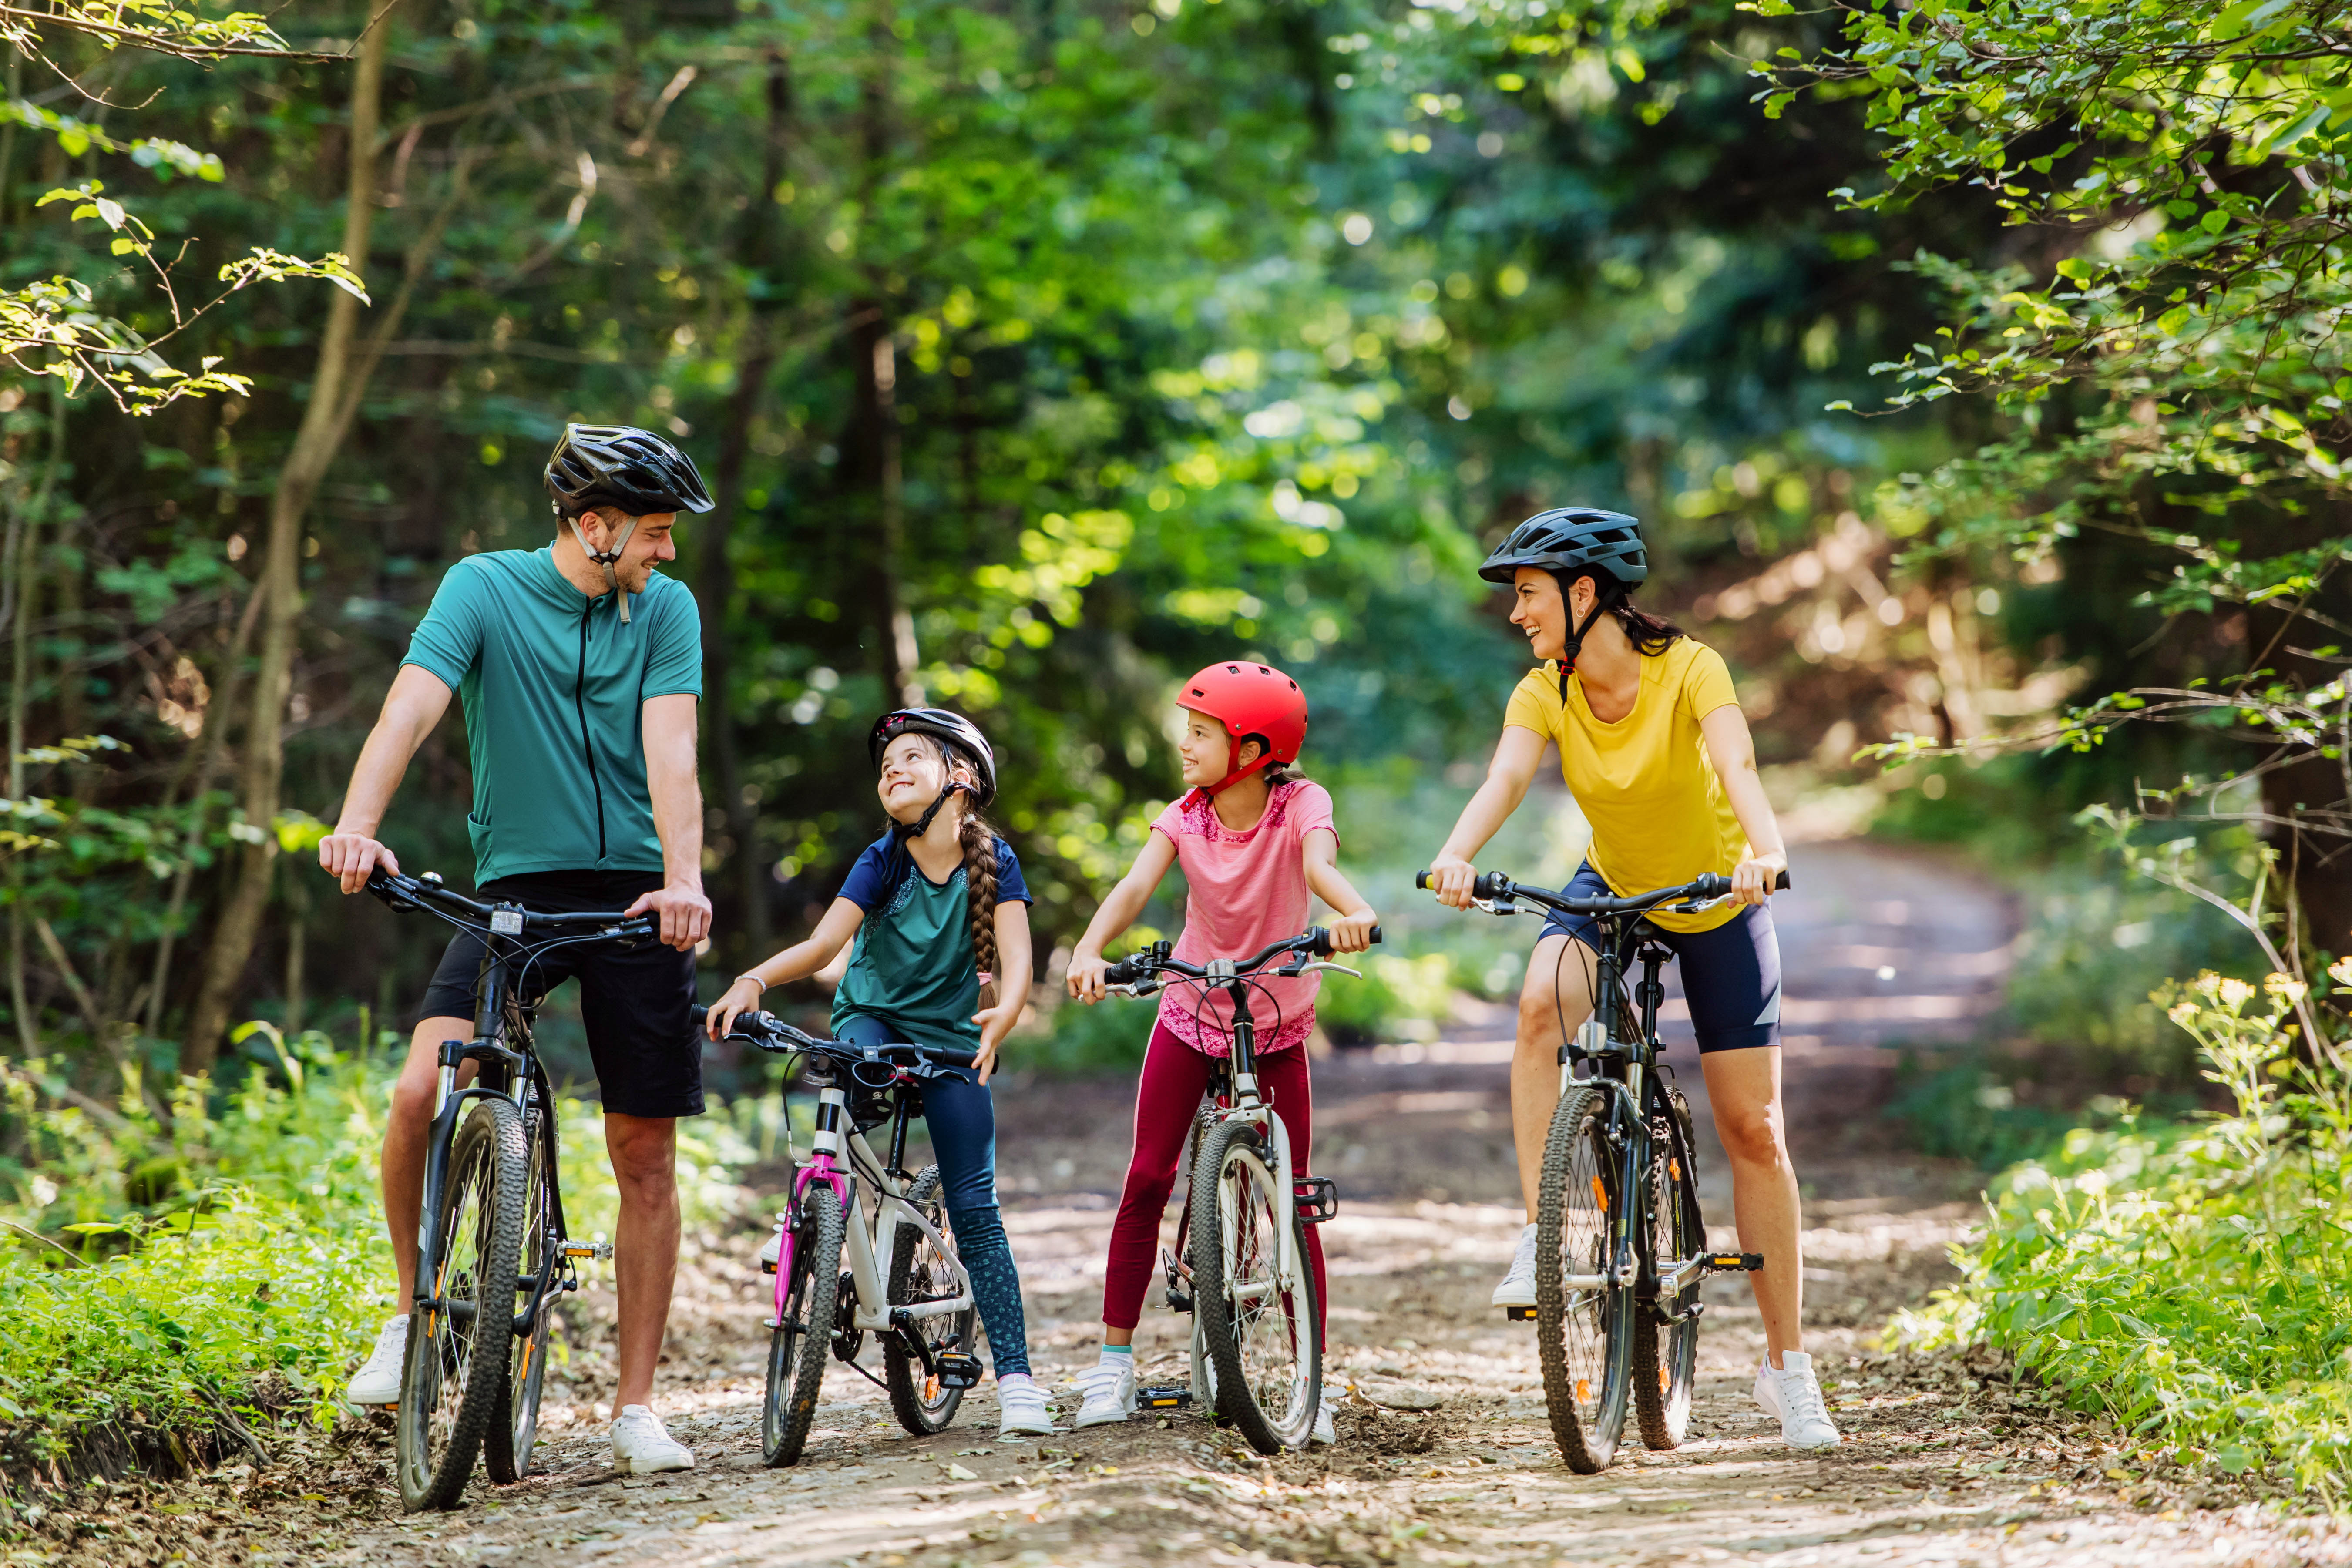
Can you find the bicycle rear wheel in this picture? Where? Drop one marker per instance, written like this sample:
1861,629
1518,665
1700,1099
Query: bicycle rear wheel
1254,1301
803,1331
1666,1355
1583,1318
455,1376
514,1432
921,1272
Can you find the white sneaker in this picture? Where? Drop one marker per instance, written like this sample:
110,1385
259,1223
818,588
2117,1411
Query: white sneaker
1111,1392
1791,1393
641,1446
1022,1408
1519,1287
377,1382
1326,1430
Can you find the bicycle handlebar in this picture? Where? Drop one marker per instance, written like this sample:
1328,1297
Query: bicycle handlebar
772,1035
1495,884
1313,942
405,892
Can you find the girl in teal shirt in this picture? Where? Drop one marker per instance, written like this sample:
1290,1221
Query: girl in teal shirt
937,909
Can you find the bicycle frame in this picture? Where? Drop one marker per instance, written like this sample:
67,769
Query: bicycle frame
840,1156
1625,1060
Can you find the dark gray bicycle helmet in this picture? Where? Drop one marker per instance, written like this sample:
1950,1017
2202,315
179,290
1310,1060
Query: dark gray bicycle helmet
638,470
957,732
1569,539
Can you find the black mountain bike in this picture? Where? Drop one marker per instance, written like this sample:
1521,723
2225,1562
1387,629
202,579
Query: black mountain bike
1240,1263
493,1256
1619,1246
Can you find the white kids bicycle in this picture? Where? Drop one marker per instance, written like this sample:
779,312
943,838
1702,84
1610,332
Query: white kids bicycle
922,1310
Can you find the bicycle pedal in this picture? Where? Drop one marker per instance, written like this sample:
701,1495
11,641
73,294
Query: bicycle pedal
1520,1314
956,1370
1735,1262
1179,1301
1318,1198
600,1250
1164,1396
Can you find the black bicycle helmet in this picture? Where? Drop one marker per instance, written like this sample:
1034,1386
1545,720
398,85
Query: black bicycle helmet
941,725
637,470
1567,540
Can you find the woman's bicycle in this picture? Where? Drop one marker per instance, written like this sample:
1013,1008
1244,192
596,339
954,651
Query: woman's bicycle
922,1308
493,1253
1619,1246
1240,1263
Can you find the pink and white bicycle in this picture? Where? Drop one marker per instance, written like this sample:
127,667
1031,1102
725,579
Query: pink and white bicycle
921,1308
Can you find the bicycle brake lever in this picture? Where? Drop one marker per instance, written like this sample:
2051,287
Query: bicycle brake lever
1322,963
1497,906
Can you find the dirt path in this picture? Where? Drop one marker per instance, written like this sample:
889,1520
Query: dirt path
1445,1454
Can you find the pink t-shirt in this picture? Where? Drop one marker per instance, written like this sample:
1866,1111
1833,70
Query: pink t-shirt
1245,890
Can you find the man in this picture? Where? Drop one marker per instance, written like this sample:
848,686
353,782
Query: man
580,668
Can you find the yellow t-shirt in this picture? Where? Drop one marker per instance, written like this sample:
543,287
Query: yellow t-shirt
1659,814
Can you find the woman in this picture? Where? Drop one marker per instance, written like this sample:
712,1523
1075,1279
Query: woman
1657,753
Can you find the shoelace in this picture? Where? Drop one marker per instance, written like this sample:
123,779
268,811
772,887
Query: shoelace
1800,1397
1523,1260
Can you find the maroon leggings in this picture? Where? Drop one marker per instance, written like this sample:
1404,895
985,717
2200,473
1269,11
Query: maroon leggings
1175,1076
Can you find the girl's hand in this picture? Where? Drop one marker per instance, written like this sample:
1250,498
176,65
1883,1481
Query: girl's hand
744,997
1085,977
1752,879
1353,933
1450,878
994,1023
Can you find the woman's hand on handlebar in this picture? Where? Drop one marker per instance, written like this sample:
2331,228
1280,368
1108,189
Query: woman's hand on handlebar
744,997
1086,976
1450,878
1752,879
1353,933
349,858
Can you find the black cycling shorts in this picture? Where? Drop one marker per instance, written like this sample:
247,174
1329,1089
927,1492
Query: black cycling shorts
638,1002
1731,974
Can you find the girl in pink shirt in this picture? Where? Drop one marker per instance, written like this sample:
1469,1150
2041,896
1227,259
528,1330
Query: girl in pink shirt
1254,842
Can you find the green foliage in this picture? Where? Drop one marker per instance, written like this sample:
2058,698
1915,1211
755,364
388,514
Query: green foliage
1398,998
2190,1280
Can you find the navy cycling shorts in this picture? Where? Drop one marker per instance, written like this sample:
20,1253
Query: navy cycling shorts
1731,975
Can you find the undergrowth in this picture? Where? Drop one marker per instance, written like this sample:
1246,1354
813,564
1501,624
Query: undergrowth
2191,1279
227,1262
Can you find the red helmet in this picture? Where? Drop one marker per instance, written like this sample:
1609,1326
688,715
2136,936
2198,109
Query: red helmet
1250,699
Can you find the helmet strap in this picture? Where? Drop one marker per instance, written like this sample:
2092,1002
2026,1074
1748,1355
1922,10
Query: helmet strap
607,557
1576,645
1234,772
922,825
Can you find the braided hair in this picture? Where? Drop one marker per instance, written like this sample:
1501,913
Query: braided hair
978,840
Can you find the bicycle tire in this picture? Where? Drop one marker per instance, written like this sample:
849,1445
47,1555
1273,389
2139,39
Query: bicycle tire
803,1337
1666,1355
921,1408
1232,1234
514,1431
1585,1335
481,1224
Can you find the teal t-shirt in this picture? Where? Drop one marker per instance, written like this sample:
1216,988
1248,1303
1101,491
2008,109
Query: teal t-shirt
552,686
911,966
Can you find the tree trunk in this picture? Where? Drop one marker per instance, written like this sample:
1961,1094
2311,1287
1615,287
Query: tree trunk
716,586
873,410
324,423
26,564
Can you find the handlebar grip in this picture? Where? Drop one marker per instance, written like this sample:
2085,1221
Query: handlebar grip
1781,883
1711,885
1376,936
1421,878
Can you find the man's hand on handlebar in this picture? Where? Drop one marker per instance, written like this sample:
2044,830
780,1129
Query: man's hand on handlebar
1753,878
349,858
1086,976
1450,878
1353,933
684,911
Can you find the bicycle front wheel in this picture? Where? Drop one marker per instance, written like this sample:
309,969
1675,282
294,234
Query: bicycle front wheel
919,1273
453,1379
514,1432
804,1330
1666,1355
1254,1300
1583,1318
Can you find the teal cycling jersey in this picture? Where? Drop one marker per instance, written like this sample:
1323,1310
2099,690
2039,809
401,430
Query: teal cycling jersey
552,683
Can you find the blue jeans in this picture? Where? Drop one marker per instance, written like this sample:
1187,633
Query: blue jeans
963,1120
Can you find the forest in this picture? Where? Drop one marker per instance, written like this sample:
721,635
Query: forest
1974,368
